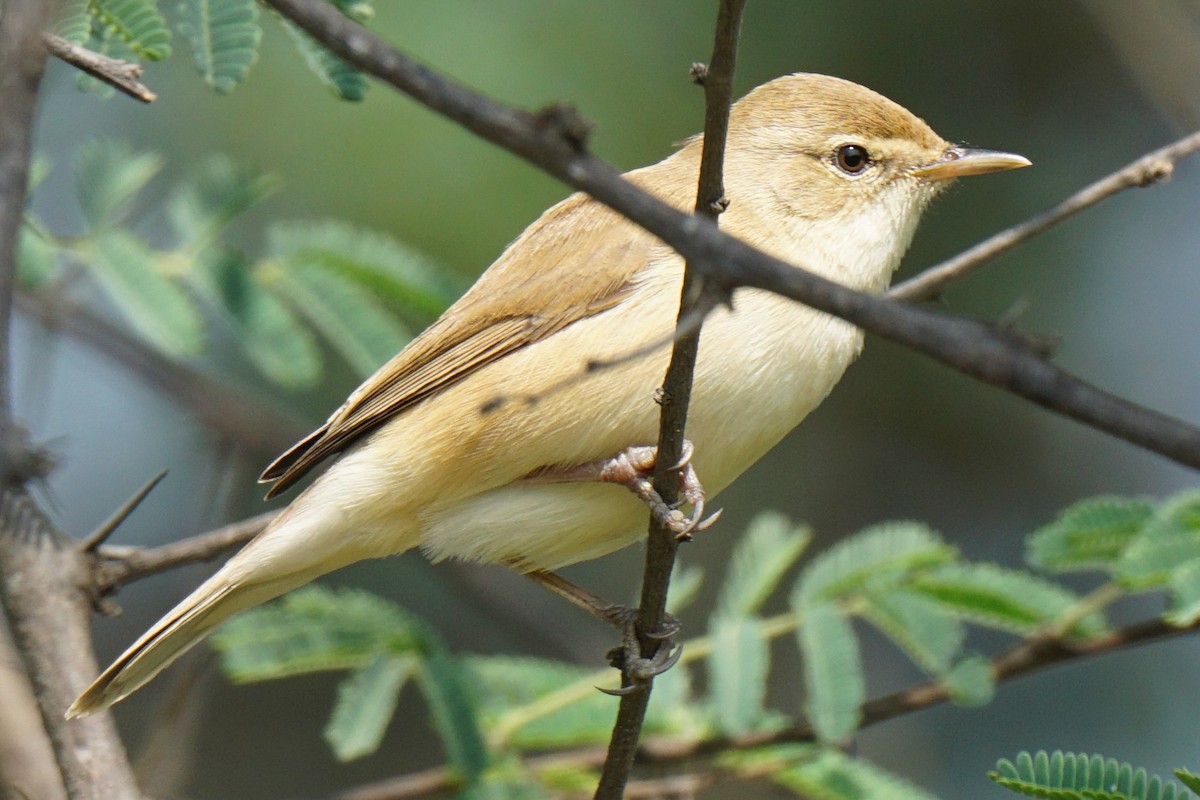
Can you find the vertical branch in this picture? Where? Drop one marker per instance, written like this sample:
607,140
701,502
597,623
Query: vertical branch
42,572
22,59
717,80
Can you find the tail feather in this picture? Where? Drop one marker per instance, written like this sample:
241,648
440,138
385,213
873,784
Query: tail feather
183,627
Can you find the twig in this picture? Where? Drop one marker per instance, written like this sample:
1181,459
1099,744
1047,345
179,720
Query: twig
124,76
993,356
122,565
677,390
1148,170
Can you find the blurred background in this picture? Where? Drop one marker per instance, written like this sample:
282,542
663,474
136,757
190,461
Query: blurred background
1079,87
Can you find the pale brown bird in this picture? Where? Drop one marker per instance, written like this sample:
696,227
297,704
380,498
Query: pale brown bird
820,172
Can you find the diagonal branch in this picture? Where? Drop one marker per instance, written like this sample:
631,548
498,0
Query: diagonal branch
662,543
553,141
1152,168
122,565
258,426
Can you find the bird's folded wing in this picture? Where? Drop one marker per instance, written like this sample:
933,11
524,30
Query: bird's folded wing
511,306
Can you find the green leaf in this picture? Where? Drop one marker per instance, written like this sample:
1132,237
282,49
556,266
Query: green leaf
918,625
879,554
399,276
39,167
685,585
75,22
156,306
508,683
1007,599
832,672
1077,776
109,176
1170,538
37,259
768,549
1188,779
737,672
274,338
1184,587
216,192
443,682
821,773
971,682
567,778
366,702
225,36
347,314
137,23
315,629
342,79
357,10
1088,535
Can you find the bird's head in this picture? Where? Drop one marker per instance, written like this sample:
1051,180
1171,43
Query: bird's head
845,169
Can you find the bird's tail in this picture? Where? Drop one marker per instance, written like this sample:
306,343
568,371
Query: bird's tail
212,603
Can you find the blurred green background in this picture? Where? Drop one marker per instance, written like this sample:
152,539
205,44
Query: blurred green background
1078,87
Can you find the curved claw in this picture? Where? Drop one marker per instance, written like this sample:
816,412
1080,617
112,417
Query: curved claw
670,627
658,665
685,456
685,536
622,692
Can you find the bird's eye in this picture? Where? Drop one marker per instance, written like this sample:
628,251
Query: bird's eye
852,159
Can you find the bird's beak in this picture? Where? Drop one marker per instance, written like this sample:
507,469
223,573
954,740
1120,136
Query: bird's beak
959,162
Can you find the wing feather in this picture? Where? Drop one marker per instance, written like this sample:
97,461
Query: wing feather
584,266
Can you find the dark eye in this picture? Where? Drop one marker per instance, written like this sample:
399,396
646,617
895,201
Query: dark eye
852,158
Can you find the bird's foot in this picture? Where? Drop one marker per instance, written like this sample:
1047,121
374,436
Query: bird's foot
633,468
637,669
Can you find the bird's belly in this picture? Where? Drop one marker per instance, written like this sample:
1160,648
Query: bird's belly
777,362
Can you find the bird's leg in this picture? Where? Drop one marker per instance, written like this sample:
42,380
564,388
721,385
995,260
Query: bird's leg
627,656
633,468
619,616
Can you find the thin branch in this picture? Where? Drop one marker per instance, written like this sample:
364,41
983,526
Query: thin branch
1024,658
553,141
1152,168
122,565
676,396
124,76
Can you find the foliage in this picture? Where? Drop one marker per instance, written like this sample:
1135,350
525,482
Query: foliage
901,578
224,38
361,291
1078,776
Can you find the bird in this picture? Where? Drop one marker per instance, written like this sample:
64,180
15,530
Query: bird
437,451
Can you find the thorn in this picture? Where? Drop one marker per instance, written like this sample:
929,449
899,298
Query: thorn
98,536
